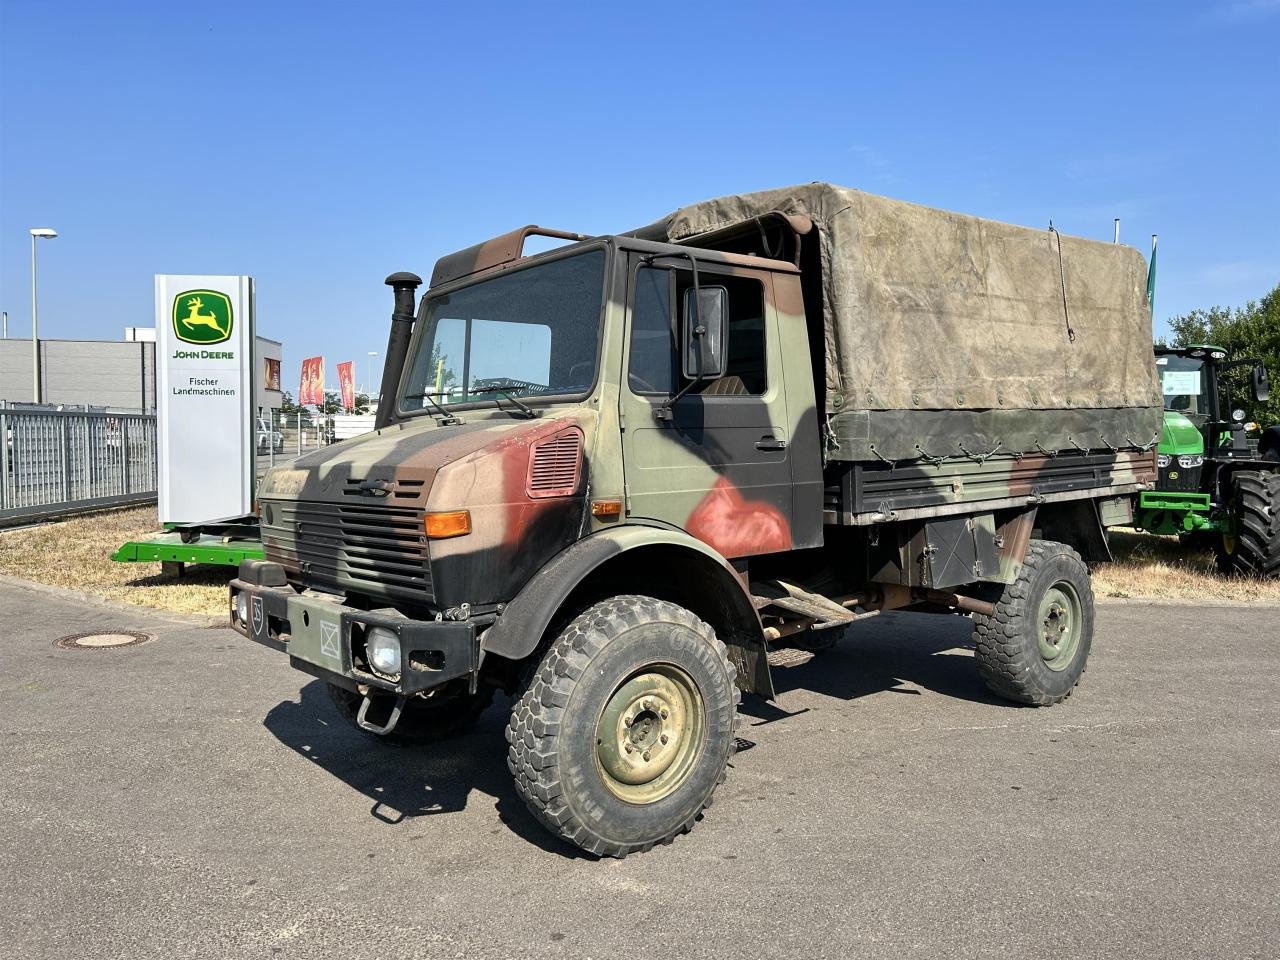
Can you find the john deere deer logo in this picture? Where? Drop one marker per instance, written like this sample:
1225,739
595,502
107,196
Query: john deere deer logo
202,316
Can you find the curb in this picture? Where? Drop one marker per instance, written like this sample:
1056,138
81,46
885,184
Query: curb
65,593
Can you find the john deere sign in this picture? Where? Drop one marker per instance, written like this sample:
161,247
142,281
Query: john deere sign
202,316
205,377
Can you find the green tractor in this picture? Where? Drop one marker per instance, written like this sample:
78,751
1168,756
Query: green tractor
1216,487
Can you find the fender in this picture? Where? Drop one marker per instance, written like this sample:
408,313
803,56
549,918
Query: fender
724,602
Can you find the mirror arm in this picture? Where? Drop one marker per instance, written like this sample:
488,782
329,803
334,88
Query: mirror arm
664,413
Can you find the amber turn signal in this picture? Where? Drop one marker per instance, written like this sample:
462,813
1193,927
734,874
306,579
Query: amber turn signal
441,526
606,509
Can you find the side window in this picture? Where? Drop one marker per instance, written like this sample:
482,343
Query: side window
653,366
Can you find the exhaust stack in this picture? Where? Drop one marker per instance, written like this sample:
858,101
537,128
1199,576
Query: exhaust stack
404,286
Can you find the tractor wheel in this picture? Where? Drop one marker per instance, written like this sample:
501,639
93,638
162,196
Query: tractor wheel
448,711
1035,648
1254,549
626,728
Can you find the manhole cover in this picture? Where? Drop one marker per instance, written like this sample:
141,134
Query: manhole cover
102,641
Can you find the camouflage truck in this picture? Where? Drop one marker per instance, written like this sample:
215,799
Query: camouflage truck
606,477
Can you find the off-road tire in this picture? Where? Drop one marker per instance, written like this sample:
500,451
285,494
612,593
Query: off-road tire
553,753
421,721
1008,643
1256,503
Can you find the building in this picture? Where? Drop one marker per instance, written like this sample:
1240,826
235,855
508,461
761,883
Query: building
110,373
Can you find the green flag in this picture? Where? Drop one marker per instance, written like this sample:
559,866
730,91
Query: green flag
1151,279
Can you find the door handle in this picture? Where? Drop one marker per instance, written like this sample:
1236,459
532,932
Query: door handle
771,443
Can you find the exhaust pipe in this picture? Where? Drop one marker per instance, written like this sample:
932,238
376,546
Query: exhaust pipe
404,286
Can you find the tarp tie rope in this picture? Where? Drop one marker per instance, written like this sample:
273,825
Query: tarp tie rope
1062,277
1048,454
1072,441
934,461
892,463
980,457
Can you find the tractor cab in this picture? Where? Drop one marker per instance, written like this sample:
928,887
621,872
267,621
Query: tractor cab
1202,417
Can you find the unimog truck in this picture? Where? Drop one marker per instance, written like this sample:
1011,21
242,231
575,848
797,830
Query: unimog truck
606,477
1214,487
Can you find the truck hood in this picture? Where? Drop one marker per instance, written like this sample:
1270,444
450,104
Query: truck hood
395,465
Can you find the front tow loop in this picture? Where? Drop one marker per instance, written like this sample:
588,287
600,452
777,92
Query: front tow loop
364,723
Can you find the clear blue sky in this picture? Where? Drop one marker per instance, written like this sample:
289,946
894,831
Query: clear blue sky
320,146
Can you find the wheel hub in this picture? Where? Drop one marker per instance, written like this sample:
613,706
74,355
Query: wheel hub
649,733
1060,626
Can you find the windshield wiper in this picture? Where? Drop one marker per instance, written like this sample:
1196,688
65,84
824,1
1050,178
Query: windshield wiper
524,407
449,420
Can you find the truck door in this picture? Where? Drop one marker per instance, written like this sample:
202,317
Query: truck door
719,468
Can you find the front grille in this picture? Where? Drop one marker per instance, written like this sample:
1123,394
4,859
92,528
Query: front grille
1177,479
353,548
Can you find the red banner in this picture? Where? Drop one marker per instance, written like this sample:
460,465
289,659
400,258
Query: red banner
312,390
347,383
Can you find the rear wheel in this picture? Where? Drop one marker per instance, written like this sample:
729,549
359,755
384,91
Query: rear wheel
1035,647
626,729
448,710
1253,549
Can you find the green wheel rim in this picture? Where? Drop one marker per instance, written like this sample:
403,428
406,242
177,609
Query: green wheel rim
1060,624
650,734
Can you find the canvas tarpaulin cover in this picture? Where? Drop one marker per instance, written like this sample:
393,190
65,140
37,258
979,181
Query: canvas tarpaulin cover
950,335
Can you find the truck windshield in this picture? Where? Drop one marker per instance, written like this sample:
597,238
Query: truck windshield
530,333
1183,386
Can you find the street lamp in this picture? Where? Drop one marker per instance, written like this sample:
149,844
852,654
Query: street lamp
37,233
368,390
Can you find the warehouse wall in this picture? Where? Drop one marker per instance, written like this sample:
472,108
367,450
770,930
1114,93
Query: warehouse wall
95,372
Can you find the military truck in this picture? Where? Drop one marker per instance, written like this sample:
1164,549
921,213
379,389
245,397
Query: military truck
1214,486
607,476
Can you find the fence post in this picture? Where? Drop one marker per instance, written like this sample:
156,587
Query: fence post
4,460
66,459
125,454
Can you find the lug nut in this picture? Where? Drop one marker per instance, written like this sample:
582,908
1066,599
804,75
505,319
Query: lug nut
646,755
664,738
648,704
664,713
627,721
629,748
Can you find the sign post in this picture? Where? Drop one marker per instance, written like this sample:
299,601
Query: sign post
204,353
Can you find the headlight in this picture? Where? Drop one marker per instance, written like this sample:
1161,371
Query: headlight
1163,460
242,607
383,647
1192,461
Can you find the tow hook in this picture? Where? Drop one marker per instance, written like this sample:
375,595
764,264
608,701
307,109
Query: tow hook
364,723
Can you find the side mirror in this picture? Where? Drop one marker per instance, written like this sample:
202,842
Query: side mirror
704,354
1261,384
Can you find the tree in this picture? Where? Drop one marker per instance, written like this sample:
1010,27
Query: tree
1251,331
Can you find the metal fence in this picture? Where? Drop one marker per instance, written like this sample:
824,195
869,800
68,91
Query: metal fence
58,460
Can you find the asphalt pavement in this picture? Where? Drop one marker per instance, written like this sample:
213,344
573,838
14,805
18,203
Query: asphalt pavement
195,797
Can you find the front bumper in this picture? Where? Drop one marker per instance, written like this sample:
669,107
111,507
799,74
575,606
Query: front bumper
324,637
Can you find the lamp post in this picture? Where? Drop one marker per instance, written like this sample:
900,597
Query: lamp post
37,233
368,389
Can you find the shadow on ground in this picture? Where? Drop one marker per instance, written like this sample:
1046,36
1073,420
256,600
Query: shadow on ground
409,782
899,653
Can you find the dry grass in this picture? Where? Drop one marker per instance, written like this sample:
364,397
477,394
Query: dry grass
1160,568
76,553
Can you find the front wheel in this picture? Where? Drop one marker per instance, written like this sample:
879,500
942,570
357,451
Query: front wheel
626,729
1035,647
